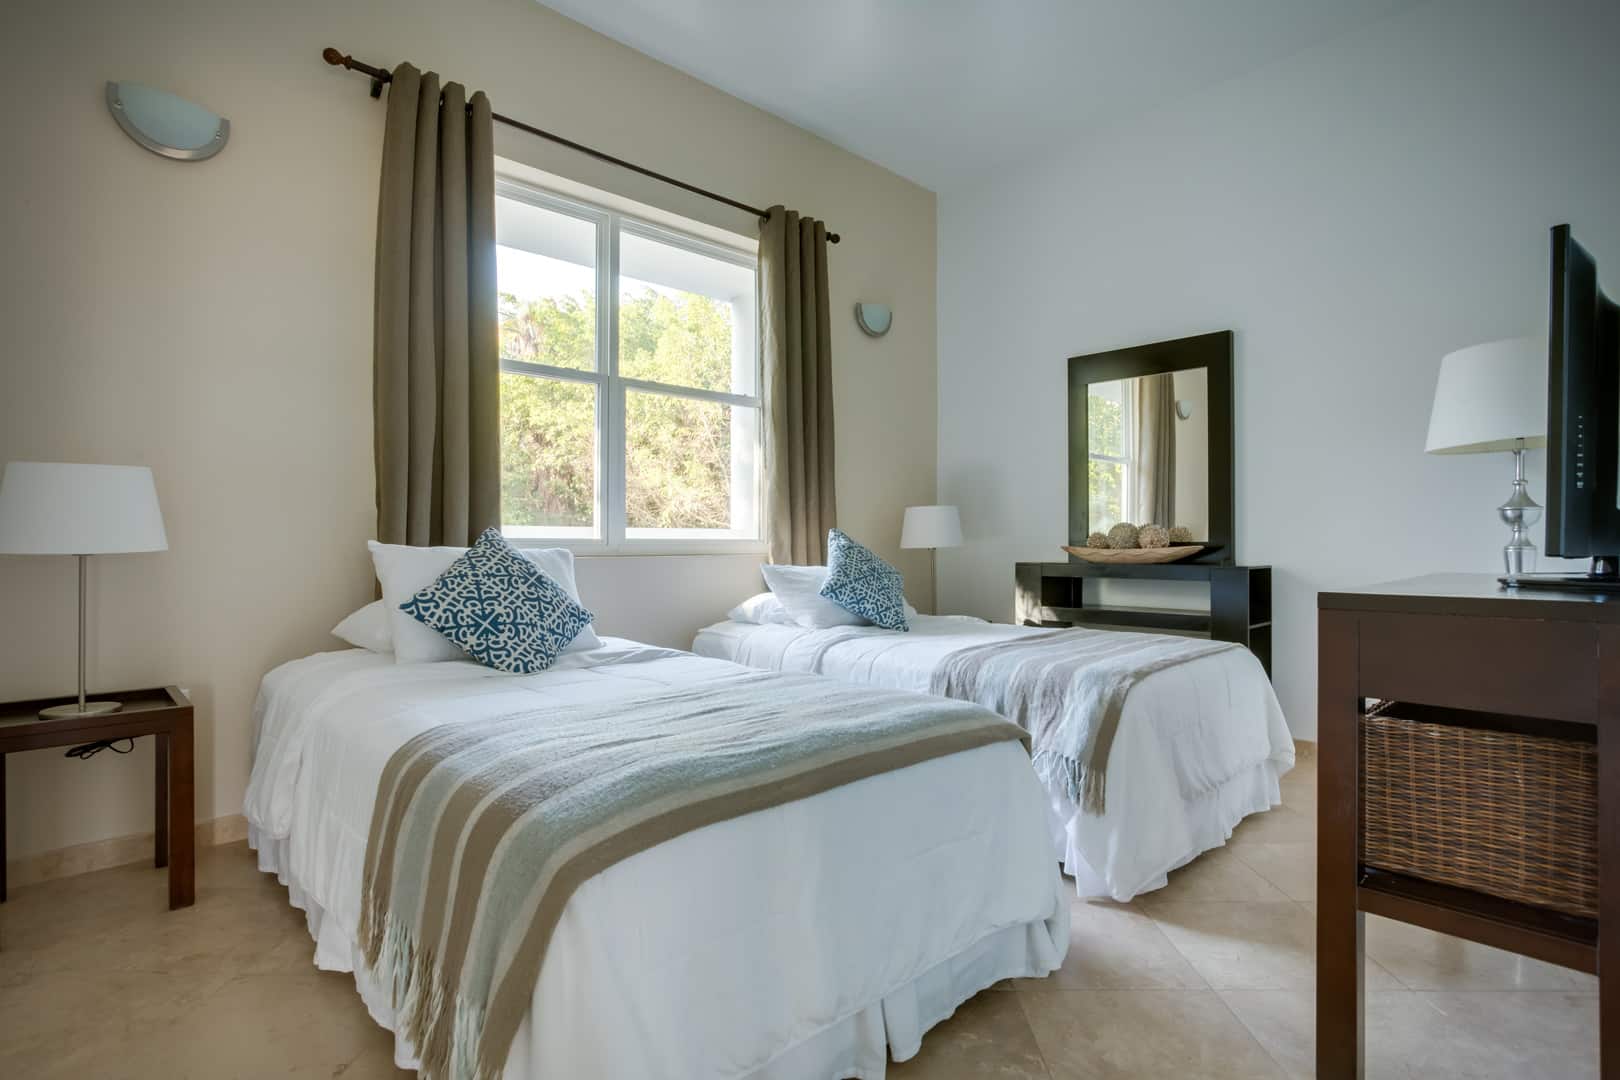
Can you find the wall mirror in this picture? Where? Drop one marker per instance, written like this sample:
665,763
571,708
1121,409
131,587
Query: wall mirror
166,124
1150,440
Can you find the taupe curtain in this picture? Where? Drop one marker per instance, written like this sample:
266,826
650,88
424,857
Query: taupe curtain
436,370
1154,453
795,333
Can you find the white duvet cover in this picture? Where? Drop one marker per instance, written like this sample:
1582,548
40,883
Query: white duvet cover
810,940
1211,727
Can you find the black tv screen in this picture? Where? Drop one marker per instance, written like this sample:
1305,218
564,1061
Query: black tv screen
1583,411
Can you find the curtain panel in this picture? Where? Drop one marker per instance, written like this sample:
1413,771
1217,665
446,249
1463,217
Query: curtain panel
1155,451
796,344
436,368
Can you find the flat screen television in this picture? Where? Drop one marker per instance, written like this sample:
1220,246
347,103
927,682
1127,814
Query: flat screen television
1583,421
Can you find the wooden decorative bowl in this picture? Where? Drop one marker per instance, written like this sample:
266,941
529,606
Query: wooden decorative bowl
1136,556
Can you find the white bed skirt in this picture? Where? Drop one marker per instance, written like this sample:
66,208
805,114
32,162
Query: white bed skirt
1185,831
857,1046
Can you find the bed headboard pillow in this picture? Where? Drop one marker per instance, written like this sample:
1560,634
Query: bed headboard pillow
804,584
404,571
860,582
761,610
799,590
499,609
367,628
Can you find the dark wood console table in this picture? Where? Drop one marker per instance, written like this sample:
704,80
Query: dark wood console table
1467,660
1053,594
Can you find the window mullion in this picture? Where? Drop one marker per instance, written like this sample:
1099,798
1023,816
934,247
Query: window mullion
719,397
613,445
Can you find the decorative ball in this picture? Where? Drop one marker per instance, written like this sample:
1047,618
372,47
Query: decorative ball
1180,534
1153,536
1097,540
1122,535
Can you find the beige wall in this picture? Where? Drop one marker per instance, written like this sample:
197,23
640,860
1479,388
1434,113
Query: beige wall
214,322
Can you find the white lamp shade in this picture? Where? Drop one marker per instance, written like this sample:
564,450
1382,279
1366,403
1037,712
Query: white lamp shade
1489,397
931,527
54,509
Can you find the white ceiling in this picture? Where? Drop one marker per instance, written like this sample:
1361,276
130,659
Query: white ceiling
945,91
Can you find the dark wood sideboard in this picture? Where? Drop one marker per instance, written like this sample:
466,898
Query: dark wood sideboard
1053,594
1458,661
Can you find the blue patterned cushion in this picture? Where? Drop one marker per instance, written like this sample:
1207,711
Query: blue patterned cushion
499,609
863,584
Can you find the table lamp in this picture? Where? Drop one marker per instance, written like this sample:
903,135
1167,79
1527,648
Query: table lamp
82,510
1493,398
931,527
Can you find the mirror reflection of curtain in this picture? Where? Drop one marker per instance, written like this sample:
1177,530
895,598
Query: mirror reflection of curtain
1153,454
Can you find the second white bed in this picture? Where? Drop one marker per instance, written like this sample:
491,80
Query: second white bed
1200,746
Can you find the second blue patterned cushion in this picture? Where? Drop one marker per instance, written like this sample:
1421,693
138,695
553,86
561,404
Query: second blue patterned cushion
499,609
863,584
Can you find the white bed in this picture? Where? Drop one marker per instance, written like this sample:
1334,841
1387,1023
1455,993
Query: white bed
1200,746
811,940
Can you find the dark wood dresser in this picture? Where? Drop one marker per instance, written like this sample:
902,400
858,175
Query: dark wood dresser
1468,782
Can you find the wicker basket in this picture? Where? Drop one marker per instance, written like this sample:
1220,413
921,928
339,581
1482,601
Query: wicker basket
1511,815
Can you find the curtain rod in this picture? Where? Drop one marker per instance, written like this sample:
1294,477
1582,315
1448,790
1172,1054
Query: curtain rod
379,76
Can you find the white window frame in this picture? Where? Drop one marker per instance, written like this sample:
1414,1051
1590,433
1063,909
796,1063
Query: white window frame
610,386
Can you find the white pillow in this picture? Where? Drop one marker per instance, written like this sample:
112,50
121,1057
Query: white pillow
558,565
367,628
404,571
762,609
799,590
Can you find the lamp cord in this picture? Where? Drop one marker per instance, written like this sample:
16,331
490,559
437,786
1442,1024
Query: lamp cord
86,751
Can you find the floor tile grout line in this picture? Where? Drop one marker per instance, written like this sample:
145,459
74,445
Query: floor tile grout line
1282,1070
1185,959
1040,1051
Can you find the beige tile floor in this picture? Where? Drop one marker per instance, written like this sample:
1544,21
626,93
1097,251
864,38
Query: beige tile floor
1209,977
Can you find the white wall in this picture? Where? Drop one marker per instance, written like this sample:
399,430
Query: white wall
213,321
1192,450
1353,213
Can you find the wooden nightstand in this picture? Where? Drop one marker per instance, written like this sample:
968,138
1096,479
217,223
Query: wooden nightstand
164,712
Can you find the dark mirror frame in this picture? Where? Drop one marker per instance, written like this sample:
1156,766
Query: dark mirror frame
1211,351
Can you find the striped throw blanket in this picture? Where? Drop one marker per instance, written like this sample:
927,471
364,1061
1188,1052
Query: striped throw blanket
483,830
1067,689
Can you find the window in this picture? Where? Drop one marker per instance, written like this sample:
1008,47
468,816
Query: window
1108,449
630,398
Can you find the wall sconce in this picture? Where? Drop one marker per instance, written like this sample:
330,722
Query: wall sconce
874,319
166,124
1184,410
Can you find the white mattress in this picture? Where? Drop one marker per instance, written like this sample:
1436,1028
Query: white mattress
1211,727
810,940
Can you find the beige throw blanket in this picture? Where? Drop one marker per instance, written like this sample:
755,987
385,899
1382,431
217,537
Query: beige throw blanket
483,830
1067,689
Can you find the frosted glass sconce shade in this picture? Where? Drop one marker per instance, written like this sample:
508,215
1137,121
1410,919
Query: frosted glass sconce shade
166,124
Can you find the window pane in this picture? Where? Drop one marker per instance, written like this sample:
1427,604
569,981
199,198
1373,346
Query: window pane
548,456
1105,415
1107,489
689,465
685,319
545,266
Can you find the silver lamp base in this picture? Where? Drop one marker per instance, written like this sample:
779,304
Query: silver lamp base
1518,514
72,709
